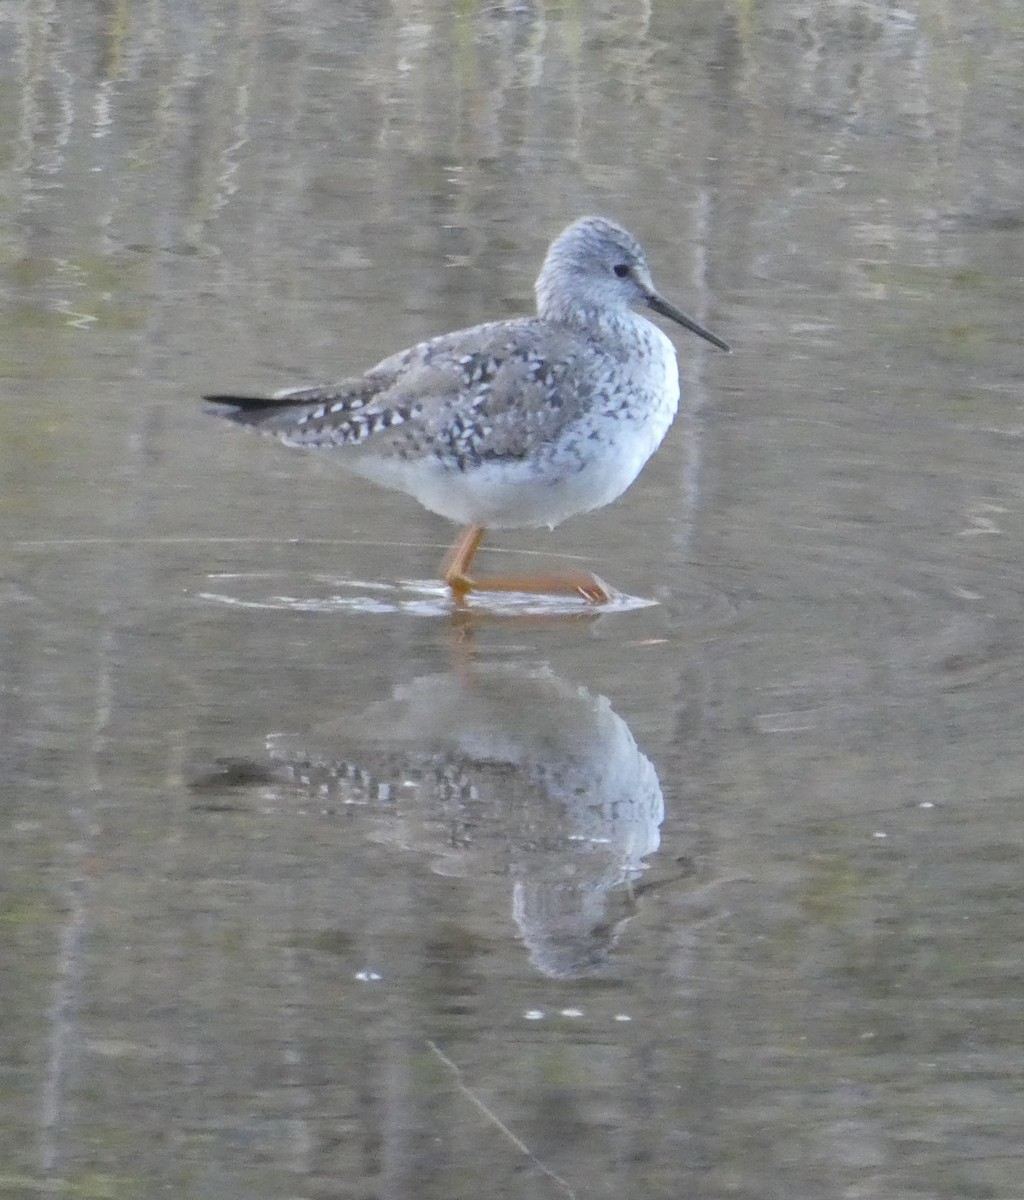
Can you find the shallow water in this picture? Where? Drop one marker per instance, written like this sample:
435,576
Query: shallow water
309,887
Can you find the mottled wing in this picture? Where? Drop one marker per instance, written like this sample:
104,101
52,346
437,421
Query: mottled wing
492,392
495,392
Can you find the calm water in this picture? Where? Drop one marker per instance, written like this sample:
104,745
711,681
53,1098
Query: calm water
308,890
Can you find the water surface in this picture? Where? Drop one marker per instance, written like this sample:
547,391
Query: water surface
307,888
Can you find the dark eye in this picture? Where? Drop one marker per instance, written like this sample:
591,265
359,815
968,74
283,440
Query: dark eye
621,270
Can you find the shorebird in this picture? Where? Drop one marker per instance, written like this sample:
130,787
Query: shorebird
510,424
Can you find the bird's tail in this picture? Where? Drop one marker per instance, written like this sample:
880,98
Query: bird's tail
257,410
311,417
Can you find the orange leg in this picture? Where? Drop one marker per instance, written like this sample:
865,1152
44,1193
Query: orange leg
455,573
455,568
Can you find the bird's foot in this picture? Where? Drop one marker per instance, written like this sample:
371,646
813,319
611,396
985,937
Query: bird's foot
584,584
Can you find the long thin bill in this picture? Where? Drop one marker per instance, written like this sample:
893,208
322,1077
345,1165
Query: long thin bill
661,305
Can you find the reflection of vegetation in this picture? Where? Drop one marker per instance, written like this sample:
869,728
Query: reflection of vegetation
73,293
23,913
925,280
831,893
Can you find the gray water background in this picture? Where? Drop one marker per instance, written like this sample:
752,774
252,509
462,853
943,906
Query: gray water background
307,890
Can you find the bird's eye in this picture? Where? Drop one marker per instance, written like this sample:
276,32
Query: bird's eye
621,270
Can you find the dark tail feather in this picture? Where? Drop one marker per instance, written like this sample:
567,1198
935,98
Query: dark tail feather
250,410
253,404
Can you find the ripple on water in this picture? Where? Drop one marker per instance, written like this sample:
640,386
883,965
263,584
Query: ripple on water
871,628
313,593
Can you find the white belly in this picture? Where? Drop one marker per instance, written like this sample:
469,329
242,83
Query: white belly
541,491
595,459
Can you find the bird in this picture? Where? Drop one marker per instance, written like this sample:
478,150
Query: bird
510,424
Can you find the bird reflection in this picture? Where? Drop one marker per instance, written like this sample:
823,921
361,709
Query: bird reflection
510,760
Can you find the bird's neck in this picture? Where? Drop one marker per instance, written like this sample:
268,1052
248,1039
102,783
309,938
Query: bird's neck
565,308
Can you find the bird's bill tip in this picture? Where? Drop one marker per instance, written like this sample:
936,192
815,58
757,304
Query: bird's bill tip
662,306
